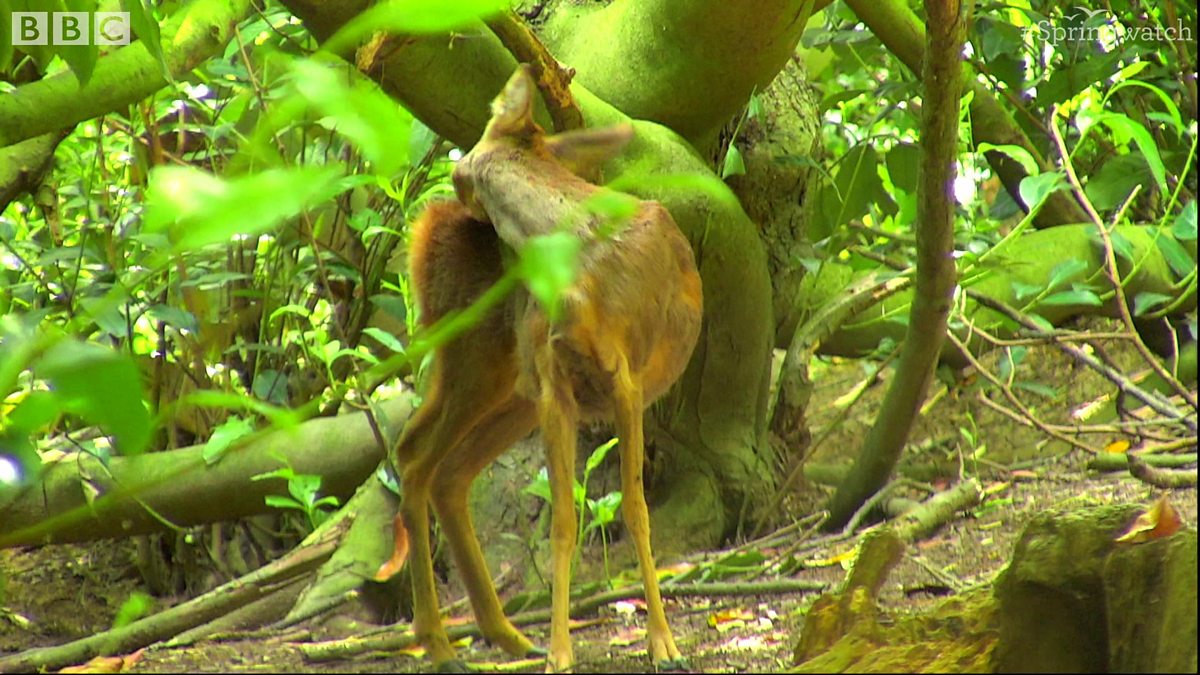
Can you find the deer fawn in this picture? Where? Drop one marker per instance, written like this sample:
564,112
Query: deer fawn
627,327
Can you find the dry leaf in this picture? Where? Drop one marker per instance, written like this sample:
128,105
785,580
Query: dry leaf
1160,520
394,564
106,664
1117,446
839,559
728,619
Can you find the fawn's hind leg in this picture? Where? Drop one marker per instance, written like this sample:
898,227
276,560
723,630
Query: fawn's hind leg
628,399
454,260
472,378
494,434
558,414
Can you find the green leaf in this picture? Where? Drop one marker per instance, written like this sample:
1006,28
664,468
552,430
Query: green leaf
598,455
1038,388
1121,246
1023,290
223,437
176,317
615,210
304,487
412,17
1064,271
540,485
1017,154
1124,128
1034,189
1173,115
603,510
1081,296
420,139
1042,322
357,109
385,338
1176,255
35,411
81,58
103,387
270,385
548,265
734,164
286,473
857,182
393,305
1147,300
142,22
136,606
281,502
1184,228
1109,187
903,165
199,208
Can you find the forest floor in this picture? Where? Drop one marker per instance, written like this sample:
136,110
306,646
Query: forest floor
59,593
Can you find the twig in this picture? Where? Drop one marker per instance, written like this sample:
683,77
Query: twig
1125,384
1110,265
340,649
1163,478
1119,461
553,79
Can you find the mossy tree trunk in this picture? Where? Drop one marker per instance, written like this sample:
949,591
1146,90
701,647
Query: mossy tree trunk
686,66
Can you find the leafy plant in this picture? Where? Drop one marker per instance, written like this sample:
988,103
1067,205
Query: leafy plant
304,490
594,514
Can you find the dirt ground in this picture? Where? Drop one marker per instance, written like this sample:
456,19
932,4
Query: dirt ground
55,594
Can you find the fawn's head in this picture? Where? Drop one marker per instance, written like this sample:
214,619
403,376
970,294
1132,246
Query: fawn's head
512,137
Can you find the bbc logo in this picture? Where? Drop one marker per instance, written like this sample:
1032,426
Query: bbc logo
70,28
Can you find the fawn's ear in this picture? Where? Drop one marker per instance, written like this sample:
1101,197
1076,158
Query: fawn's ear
583,151
512,109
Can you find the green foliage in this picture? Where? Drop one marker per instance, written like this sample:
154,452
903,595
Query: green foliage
594,514
136,606
1108,70
303,489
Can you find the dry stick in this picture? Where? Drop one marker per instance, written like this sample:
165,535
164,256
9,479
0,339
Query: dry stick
170,622
1151,456
1110,266
1118,427
553,79
339,649
1026,416
1162,478
1152,400
937,510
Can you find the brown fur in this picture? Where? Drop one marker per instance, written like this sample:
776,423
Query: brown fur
628,325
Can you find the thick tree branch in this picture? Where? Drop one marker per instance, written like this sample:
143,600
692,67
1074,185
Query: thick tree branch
121,78
688,65
181,488
936,275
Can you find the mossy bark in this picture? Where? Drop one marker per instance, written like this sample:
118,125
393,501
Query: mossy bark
711,464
